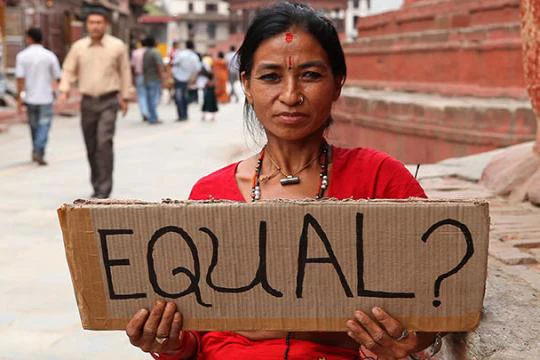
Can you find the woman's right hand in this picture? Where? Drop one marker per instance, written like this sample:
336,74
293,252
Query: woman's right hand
157,331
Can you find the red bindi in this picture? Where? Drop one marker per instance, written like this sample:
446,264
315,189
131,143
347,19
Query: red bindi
289,37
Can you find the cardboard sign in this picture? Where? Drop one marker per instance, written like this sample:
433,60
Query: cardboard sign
297,266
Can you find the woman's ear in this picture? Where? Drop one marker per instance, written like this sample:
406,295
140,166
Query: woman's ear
244,80
340,81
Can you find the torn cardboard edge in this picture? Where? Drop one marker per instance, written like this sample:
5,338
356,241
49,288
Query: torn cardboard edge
79,226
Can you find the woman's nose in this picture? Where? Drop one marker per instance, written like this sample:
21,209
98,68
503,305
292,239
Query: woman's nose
290,93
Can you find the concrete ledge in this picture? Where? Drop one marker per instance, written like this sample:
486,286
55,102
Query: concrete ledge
509,328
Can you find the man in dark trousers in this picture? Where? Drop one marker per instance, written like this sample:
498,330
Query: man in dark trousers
101,65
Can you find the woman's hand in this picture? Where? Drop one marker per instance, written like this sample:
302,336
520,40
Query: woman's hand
159,330
385,336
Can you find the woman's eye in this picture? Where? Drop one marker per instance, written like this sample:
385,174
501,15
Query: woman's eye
311,75
269,77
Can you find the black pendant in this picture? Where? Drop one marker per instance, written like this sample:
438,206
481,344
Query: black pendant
290,180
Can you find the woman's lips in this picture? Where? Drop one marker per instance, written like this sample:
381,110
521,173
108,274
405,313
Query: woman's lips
292,118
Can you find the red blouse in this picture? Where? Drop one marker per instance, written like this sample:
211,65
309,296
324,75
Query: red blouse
355,173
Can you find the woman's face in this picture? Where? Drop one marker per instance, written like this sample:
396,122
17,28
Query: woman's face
287,68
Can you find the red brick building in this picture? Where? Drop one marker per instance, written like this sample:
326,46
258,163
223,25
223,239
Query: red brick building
436,79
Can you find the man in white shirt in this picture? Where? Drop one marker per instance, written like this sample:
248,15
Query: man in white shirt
37,70
185,68
232,65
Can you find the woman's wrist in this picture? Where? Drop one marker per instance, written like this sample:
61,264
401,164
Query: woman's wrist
189,345
430,351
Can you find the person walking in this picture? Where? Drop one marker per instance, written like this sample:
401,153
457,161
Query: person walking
37,71
210,105
100,64
153,73
137,68
221,76
232,66
185,68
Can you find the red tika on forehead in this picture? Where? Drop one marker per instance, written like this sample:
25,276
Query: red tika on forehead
289,37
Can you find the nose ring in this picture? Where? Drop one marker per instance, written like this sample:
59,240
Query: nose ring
301,101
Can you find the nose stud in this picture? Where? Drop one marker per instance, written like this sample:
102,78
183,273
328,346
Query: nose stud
301,100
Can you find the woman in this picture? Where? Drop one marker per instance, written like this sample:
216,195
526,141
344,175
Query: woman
209,106
221,74
292,69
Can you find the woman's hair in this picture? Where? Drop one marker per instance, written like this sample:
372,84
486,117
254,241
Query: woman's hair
275,20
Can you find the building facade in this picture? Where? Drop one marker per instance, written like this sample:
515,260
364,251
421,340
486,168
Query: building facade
355,10
206,22
58,19
61,22
243,12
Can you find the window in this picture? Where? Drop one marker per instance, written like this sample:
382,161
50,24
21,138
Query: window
211,28
211,8
190,6
356,4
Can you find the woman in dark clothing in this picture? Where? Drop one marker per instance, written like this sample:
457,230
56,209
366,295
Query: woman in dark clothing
210,106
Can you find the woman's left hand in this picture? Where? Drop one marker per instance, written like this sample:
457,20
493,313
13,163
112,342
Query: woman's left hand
385,336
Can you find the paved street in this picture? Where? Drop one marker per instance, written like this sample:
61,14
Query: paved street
38,313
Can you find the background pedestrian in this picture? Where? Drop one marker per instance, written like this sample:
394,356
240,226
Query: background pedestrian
232,66
210,105
101,65
37,70
153,72
186,67
221,74
137,68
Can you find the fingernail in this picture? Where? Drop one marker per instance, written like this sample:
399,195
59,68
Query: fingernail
142,312
377,311
350,333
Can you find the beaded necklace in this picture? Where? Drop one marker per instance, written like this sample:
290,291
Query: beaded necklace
323,186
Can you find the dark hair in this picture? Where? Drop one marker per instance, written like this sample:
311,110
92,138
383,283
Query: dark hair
95,10
232,48
35,34
221,55
190,45
149,41
277,19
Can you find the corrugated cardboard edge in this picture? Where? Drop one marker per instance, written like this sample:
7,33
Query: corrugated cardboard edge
82,203
81,248
449,324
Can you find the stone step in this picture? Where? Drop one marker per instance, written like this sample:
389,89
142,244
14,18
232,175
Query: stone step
425,128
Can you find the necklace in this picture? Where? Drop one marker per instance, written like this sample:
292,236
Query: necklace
293,178
325,154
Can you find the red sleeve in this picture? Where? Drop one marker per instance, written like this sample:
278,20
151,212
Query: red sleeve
219,185
394,181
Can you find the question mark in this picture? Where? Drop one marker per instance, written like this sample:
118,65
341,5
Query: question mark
468,254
